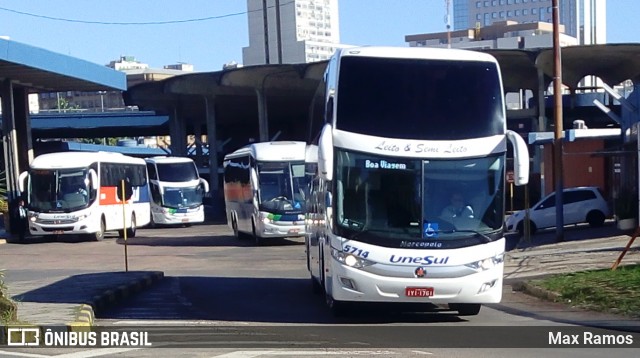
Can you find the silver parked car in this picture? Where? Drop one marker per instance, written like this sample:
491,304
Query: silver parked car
581,204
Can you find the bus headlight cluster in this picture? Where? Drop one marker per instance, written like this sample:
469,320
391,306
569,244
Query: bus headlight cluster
83,216
267,218
349,259
486,264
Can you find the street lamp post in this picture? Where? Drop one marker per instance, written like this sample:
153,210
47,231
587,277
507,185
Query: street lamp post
558,138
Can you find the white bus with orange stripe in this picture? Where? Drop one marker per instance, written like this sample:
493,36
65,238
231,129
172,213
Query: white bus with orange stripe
75,193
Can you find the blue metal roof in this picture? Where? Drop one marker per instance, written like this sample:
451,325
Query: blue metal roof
59,146
97,125
47,71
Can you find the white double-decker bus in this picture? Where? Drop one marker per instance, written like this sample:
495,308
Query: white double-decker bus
265,189
177,191
400,131
77,193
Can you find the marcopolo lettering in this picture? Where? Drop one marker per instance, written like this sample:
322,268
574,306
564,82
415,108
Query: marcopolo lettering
421,260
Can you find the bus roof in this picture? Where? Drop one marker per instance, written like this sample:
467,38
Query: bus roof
272,151
165,159
311,154
417,53
63,160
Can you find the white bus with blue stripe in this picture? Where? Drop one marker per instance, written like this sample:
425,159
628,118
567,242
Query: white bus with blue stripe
177,191
399,130
265,187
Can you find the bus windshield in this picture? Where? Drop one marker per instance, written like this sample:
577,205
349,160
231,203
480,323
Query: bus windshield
282,186
392,202
62,190
432,99
177,172
179,198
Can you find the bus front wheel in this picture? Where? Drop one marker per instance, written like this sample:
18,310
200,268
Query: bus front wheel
234,227
259,241
337,308
131,232
99,235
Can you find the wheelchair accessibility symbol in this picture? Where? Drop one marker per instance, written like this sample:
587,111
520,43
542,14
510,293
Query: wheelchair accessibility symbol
430,229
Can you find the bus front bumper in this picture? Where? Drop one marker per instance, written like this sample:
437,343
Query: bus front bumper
164,217
352,284
81,227
281,229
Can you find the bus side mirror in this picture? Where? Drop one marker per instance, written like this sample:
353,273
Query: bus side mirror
93,176
205,185
328,200
325,153
21,179
520,158
124,188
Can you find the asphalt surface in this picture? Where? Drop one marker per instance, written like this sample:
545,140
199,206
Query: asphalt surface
75,300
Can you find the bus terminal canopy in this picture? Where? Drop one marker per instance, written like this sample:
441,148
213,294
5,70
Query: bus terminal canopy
289,88
40,70
613,63
26,69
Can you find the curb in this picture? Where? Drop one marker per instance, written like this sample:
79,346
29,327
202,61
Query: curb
536,291
85,316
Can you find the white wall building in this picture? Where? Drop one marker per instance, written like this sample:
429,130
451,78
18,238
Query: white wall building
291,31
583,19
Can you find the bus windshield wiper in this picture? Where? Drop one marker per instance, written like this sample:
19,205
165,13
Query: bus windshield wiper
484,237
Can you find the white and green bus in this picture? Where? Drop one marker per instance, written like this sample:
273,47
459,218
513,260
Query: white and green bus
265,189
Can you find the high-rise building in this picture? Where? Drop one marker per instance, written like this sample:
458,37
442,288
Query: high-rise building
582,19
291,31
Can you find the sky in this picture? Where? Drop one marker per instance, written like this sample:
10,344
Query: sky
211,33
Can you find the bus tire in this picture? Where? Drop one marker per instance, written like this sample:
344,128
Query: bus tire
466,309
316,287
234,227
337,308
99,235
131,232
152,223
258,240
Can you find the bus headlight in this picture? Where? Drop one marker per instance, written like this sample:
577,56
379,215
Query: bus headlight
486,264
83,216
349,259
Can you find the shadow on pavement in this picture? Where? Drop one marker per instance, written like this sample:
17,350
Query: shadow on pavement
571,233
267,300
206,241
79,288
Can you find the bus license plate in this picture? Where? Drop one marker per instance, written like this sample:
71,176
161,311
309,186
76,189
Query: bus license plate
418,291
294,231
185,220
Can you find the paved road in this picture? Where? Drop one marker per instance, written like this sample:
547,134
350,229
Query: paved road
213,280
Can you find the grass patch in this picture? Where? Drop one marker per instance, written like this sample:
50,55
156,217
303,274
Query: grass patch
8,309
600,290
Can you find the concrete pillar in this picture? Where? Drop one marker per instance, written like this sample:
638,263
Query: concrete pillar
178,133
10,139
22,120
263,118
210,112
